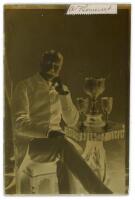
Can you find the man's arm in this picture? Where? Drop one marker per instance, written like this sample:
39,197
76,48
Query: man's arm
22,123
69,112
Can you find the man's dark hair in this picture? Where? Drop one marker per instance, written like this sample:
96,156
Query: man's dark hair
50,57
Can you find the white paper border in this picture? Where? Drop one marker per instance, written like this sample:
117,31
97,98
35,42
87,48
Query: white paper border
131,195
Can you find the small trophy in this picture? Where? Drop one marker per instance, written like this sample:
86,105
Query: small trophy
106,104
82,104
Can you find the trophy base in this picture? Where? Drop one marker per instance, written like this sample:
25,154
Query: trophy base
94,121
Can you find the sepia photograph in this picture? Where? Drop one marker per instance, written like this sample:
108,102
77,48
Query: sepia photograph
66,99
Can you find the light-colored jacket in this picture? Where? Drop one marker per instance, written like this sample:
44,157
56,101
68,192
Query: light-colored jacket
36,109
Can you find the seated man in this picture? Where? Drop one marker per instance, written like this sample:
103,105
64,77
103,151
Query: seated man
39,103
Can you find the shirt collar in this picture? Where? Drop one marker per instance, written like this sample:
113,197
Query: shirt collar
44,82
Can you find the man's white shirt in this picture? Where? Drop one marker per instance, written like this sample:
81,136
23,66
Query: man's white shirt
38,108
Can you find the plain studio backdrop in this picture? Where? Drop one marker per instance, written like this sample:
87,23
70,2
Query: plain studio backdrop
96,45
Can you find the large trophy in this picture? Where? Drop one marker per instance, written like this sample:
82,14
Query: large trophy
94,111
93,124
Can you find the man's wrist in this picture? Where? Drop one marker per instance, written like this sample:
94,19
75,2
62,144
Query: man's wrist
62,92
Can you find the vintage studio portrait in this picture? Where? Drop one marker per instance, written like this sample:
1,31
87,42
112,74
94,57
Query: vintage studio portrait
66,88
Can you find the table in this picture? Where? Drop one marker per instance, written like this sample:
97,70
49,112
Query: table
92,143
112,131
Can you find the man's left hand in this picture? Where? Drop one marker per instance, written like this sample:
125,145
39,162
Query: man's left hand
59,86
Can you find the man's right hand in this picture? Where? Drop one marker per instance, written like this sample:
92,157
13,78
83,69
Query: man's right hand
54,134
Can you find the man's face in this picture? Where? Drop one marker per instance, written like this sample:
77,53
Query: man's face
54,70
52,65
